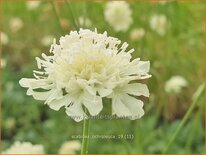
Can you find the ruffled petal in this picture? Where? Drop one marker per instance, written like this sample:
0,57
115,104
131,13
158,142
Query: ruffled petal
103,92
55,94
39,95
25,82
124,105
143,67
76,112
35,84
134,105
137,89
92,103
48,96
86,87
119,108
137,68
57,104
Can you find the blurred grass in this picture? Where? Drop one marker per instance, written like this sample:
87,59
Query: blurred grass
179,52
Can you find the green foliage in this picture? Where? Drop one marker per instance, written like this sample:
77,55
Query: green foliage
179,52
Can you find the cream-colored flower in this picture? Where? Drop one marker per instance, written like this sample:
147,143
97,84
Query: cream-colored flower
3,63
163,2
84,22
47,40
118,14
137,34
158,23
32,5
84,68
175,84
70,147
4,38
24,148
16,24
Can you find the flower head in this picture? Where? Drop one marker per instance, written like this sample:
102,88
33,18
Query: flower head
24,148
70,147
32,5
137,34
3,63
118,14
158,23
16,24
84,68
175,84
4,38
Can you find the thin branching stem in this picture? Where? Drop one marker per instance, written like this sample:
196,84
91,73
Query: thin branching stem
57,15
196,96
75,23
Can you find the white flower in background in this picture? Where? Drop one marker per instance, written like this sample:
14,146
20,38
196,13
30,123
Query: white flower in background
158,23
85,67
137,34
175,84
165,1
4,38
16,24
87,22
3,63
47,40
70,147
24,148
118,14
32,5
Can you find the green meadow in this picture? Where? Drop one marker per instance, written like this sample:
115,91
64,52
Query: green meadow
173,122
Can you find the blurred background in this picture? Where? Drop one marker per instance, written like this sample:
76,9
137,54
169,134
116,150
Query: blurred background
169,34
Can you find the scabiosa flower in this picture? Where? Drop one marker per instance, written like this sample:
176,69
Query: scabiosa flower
3,63
84,68
137,34
70,147
175,84
32,5
4,38
158,23
16,24
118,14
24,148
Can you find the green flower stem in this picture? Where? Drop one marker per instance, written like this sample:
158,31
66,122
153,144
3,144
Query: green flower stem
85,138
57,15
196,96
85,14
75,23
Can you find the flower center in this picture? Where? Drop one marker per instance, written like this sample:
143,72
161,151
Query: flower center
86,64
